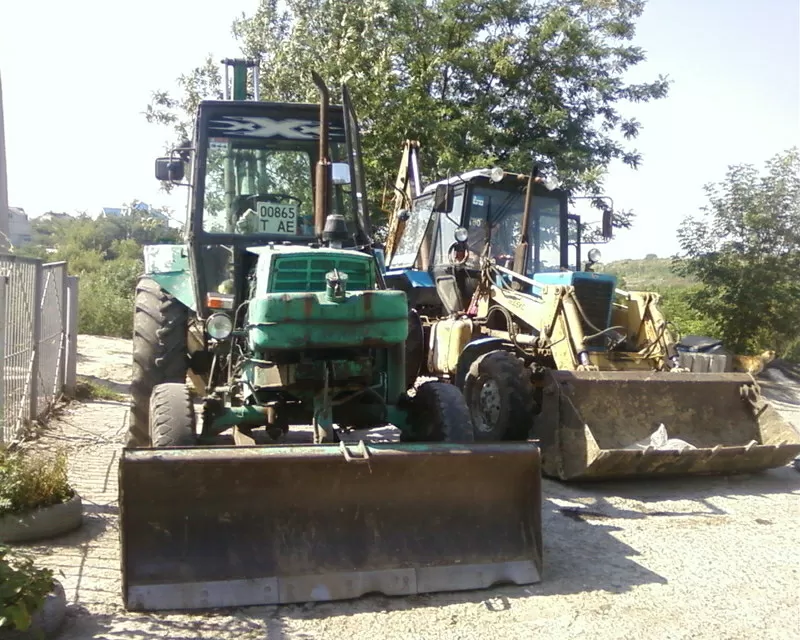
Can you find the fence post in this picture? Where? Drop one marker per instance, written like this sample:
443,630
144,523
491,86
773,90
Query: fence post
36,331
3,322
71,369
62,340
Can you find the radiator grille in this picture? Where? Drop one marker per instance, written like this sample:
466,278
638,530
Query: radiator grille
307,273
595,297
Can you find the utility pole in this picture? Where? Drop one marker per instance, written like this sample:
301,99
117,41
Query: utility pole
5,231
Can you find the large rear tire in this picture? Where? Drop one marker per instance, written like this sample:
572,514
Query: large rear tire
172,418
438,413
500,396
160,324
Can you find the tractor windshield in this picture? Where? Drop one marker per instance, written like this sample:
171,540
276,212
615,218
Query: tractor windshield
265,186
495,222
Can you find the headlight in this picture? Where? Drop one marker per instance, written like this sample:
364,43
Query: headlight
496,174
594,255
219,326
551,183
461,234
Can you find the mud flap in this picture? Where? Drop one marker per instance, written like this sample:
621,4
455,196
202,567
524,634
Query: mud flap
233,526
613,424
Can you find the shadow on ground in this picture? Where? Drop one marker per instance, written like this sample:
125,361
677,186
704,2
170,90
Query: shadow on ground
116,387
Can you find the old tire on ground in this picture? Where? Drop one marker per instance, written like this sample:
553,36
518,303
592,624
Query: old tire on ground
438,413
500,397
160,324
172,417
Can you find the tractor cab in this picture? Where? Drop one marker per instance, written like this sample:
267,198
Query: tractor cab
454,225
253,177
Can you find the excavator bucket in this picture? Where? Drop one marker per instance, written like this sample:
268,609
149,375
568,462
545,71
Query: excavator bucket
222,526
613,424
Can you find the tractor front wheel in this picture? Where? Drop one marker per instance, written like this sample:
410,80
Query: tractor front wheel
499,394
172,418
438,413
160,323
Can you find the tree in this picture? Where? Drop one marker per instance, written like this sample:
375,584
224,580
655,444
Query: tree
745,251
477,82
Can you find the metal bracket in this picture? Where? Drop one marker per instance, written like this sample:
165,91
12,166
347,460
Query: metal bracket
361,448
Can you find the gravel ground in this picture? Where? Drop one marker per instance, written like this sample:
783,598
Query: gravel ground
690,558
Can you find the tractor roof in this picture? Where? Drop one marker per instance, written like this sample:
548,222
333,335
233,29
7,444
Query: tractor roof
304,249
469,176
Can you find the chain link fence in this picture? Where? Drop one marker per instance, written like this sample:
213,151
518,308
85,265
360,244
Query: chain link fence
37,355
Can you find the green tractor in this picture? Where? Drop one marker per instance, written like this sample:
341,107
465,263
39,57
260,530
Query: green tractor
275,309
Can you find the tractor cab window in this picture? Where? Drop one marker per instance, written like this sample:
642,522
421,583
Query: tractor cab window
257,186
446,229
574,242
495,227
413,249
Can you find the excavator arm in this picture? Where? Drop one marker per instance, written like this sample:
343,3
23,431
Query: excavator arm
407,173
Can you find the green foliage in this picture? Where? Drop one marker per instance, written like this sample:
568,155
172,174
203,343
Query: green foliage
23,589
677,291
89,389
650,274
477,83
31,480
745,251
107,255
677,305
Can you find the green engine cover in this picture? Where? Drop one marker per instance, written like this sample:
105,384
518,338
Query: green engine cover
309,320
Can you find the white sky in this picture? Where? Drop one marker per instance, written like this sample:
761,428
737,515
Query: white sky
77,77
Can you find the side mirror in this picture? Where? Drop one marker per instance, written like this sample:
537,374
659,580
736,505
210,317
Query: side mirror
608,229
340,173
443,199
168,169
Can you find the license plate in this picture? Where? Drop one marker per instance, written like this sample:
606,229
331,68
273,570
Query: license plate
280,218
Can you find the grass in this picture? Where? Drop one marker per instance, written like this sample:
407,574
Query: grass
86,389
32,479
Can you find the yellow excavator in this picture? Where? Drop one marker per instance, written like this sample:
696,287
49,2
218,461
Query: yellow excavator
545,349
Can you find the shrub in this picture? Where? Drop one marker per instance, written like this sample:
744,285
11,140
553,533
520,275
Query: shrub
29,481
23,589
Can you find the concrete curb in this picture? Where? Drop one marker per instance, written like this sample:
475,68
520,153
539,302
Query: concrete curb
43,523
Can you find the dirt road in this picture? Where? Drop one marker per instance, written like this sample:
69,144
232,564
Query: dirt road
700,558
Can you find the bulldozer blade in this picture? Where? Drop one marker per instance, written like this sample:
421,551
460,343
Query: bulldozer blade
614,424
224,526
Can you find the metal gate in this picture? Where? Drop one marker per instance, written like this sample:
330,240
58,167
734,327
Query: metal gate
34,299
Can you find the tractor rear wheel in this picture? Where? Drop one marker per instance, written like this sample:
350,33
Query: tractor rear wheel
172,418
160,324
500,397
438,413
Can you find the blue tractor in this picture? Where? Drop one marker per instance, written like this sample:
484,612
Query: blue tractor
545,347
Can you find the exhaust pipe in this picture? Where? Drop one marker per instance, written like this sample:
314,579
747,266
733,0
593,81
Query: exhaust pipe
324,162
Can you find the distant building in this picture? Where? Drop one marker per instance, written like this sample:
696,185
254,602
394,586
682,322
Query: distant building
19,226
126,210
52,215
